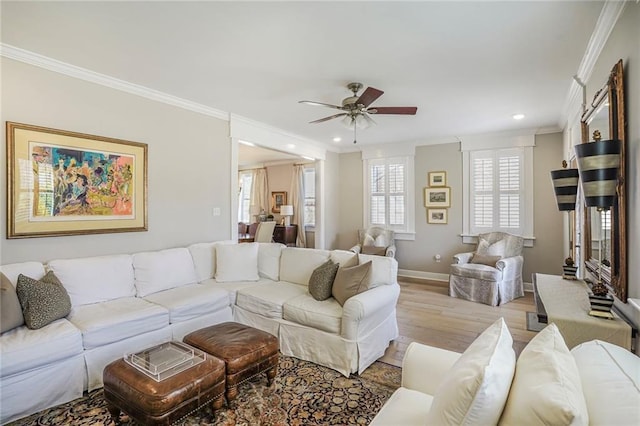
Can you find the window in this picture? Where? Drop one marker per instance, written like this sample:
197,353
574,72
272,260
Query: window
244,200
310,196
498,195
387,186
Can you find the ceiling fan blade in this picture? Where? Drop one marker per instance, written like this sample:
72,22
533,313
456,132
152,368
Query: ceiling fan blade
393,110
328,118
319,104
368,96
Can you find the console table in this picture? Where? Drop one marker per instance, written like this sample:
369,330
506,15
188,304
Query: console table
285,234
566,303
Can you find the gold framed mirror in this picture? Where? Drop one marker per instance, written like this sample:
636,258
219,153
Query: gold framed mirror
604,232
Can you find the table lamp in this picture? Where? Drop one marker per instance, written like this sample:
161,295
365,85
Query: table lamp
565,186
286,210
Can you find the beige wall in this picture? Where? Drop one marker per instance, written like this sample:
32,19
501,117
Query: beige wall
279,178
332,201
188,173
546,256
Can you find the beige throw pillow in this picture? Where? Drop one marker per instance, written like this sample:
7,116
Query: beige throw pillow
43,301
379,251
477,385
485,260
496,249
321,281
10,309
547,388
351,281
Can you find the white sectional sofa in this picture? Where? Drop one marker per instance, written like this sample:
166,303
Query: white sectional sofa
124,303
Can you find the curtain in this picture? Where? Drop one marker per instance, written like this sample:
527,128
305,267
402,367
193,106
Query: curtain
297,201
259,191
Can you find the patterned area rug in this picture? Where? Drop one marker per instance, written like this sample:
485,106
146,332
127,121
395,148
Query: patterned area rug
302,394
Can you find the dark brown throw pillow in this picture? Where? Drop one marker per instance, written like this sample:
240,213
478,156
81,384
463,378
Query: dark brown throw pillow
10,309
43,301
485,260
351,281
321,281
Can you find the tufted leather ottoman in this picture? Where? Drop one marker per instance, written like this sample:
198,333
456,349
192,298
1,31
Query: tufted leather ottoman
162,403
245,350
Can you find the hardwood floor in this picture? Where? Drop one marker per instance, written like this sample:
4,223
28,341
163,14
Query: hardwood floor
427,314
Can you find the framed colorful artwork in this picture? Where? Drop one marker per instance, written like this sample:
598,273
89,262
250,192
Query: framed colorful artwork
437,178
437,197
67,183
437,216
278,199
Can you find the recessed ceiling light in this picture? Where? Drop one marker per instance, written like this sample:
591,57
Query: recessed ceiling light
246,143
337,139
518,116
290,146
308,158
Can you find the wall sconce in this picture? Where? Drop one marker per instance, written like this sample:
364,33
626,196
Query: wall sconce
598,163
565,186
286,210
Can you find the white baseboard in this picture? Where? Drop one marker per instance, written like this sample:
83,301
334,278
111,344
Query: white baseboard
435,276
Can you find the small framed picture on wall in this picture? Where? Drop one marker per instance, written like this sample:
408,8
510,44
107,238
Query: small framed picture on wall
437,178
437,216
437,197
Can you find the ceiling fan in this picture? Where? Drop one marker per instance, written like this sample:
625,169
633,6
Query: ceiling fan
356,110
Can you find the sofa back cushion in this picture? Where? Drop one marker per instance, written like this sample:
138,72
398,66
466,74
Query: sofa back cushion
237,262
384,270
95,279
34,270
204,258
297,264
161,270
477,385
10,309
547,388
269,260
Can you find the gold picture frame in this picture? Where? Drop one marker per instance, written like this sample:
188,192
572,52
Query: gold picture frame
437,179
437,197
66,183
437,216
278,199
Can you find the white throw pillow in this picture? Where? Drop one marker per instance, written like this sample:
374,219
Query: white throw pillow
161,270
476,387
269,260
547,387
380,241
496,249
237,262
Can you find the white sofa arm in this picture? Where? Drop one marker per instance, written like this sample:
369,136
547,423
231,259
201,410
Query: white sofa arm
461,258
355,249
391,251
365,311
424,367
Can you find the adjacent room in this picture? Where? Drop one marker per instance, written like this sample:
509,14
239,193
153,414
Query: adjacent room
311,212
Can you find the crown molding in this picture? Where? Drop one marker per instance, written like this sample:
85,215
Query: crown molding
73,71
609,15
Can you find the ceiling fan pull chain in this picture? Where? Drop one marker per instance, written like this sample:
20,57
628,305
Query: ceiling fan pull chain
355,128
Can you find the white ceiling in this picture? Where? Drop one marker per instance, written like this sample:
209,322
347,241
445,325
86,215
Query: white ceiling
467,66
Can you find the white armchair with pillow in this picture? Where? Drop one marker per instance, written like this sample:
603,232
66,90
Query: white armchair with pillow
492,274
376,240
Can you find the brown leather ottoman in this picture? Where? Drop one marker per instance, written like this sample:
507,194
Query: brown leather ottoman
163,403
245,350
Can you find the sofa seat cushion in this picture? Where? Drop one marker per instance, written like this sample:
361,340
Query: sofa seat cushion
190,301
477,270
603,366
323,315
22,349
404,407
115,320
267,299
232,287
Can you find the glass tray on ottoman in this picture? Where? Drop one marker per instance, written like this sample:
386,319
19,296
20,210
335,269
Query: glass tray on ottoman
165,360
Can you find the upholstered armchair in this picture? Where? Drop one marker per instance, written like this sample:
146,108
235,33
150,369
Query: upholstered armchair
375,240
492,274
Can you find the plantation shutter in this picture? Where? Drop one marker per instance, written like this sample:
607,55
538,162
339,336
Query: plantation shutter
497,190
387,192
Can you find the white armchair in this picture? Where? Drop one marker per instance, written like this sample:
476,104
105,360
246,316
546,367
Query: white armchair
376,240
492,274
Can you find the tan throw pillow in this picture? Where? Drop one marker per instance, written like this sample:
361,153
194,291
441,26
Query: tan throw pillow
43,301
485,260
380,251
351,281
321,281
10,309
